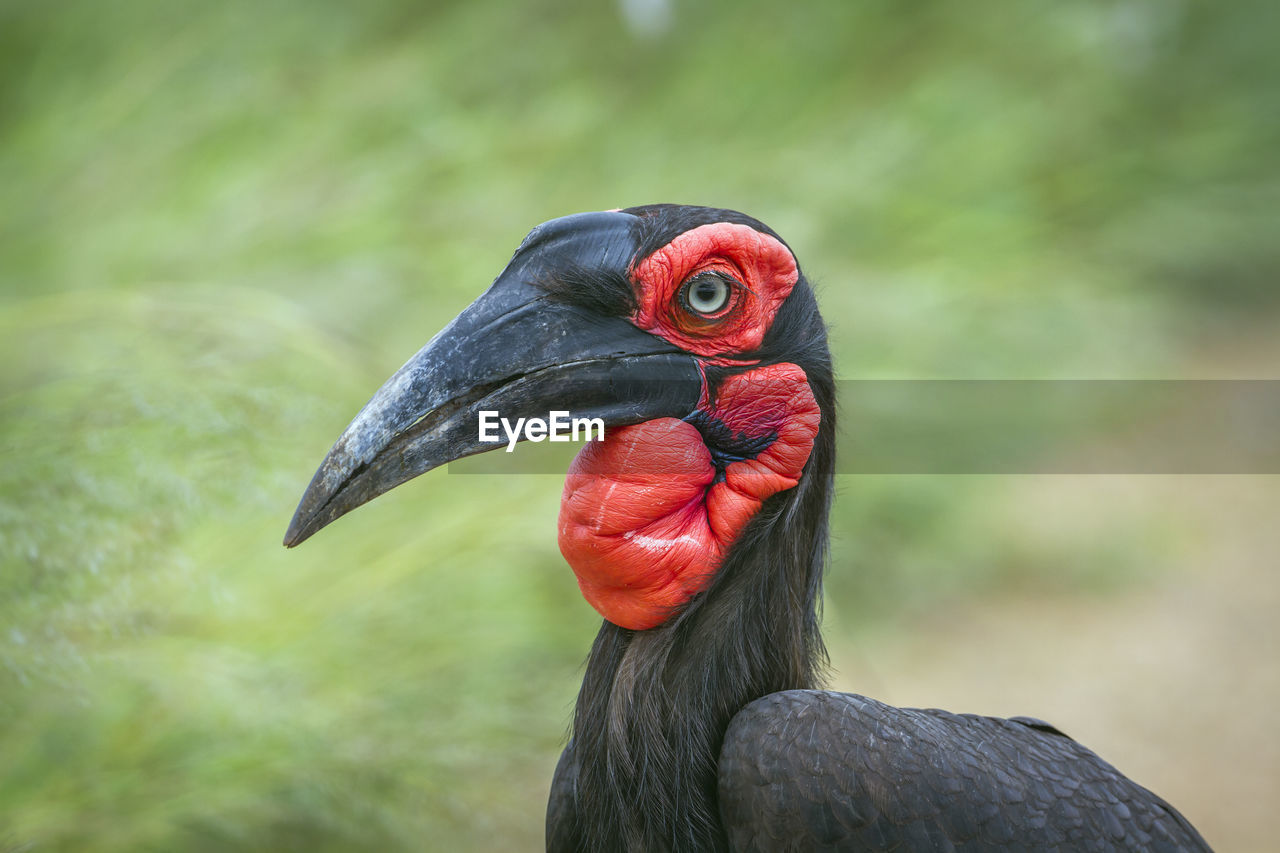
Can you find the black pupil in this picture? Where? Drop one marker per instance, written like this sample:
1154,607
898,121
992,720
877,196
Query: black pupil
706,291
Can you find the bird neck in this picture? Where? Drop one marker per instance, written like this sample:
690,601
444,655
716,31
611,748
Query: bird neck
654,704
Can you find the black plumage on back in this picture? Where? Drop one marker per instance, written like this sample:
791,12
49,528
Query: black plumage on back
807,770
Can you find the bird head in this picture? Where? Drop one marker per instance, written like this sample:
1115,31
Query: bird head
690,332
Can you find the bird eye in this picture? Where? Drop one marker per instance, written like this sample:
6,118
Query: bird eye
705,294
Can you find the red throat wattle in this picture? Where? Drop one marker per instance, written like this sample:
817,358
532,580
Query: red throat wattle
649,513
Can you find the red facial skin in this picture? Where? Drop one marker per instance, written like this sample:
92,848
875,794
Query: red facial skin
764,267
643,522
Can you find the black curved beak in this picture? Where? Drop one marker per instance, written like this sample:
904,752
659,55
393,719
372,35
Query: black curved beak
513,351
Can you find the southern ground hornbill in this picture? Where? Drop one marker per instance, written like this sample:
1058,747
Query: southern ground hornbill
698,529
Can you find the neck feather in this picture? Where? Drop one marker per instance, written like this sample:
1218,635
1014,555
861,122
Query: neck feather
655,704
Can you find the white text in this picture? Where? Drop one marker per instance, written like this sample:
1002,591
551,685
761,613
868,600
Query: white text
557,426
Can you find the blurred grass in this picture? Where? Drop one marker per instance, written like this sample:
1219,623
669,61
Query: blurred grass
223,225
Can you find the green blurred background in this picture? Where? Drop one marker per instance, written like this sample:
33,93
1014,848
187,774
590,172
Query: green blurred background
224,224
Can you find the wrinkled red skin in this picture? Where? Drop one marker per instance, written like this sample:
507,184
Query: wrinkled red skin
765,267
643,522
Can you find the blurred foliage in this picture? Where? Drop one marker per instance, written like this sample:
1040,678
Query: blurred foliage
224,224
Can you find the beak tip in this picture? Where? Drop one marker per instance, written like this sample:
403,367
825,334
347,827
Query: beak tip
299,531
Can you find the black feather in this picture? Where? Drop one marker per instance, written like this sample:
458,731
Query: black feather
604,292
810,770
